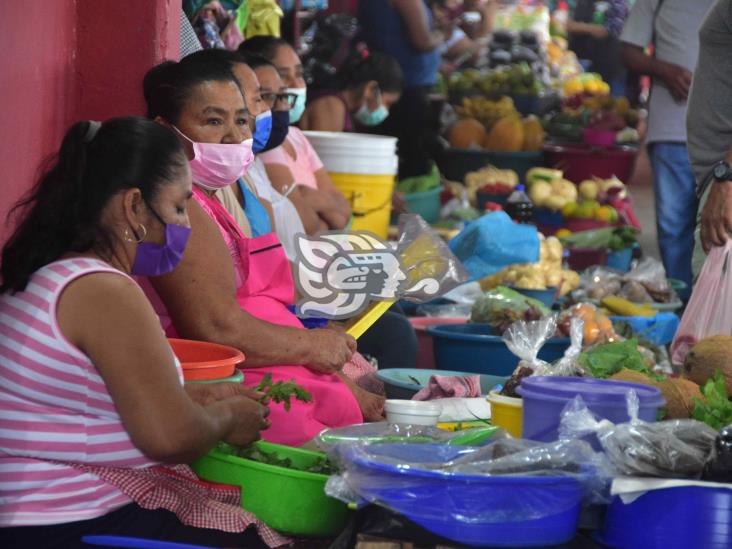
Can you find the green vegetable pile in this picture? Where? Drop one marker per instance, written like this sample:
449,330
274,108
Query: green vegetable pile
420,183
503,306
716,410
321,466
283,391
608,359
612,238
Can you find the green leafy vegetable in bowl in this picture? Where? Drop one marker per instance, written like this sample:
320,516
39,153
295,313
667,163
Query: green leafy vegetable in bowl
612,238
716,410
608,359
322,466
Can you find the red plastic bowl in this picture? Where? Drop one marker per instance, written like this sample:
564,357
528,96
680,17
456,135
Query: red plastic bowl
425,349
598,138
579,161
201,360
580,259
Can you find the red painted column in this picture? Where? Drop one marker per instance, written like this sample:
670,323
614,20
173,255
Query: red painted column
69,60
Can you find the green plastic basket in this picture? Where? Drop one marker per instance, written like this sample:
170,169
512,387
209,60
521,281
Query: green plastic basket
290,501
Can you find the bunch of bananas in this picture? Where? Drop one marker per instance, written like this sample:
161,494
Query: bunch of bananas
486,111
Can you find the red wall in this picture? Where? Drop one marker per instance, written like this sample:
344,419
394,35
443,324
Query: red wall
69,60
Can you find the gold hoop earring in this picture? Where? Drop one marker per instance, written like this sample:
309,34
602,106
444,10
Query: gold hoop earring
144,233
138,239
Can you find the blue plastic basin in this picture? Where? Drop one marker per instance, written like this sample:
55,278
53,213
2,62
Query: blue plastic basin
475,510
472,348
404,383
659,329
688,517
548,297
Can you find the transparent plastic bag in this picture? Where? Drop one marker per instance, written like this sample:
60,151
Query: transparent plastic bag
383,432
503,306
567,365
708,312
400,476
430,267
525,340
670,449
652,276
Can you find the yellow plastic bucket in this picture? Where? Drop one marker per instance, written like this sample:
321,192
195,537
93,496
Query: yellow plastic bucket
506,412
370,200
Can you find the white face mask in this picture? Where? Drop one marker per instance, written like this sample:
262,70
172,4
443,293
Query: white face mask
217,165
299,107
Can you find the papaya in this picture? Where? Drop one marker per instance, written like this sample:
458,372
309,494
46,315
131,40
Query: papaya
533,134
466,134
507,135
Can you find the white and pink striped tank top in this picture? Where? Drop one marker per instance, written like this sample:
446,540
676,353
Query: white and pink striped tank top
54,406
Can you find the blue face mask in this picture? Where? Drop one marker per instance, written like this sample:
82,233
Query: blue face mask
372,118
299,107
262,131
280,127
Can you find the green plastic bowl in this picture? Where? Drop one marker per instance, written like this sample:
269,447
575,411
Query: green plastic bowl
238,377
427,204
290,501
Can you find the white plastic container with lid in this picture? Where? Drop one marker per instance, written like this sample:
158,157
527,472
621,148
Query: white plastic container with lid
412,412
355,153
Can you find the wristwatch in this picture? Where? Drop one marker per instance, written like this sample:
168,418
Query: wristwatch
722,171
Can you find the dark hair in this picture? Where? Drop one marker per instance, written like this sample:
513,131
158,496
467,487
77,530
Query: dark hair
262,46
256,61
168,86
365,67
62,213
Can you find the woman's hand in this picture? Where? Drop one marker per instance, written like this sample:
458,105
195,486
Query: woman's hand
248,419
207,393
330,350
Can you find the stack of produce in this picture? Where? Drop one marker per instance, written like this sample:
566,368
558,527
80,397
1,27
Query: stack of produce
597,327
485,178
611,238
495,126
547,273
548,189
599,112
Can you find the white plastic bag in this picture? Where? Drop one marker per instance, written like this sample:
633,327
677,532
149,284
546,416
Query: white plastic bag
709,311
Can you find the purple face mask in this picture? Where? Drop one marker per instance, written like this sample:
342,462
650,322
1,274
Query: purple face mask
158,259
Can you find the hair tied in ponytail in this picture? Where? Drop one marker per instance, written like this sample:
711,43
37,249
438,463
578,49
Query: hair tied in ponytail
92,130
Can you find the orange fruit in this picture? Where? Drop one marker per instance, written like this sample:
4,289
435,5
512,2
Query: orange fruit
585,312
604,324
591,332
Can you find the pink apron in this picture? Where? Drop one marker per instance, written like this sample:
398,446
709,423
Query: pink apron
265,291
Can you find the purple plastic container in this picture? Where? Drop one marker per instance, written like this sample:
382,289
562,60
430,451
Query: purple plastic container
545,397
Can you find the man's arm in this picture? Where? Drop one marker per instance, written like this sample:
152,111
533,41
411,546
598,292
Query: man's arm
677,79
716,218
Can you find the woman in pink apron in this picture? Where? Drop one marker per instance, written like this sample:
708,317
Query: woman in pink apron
234,290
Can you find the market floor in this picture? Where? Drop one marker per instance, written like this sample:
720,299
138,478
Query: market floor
641,190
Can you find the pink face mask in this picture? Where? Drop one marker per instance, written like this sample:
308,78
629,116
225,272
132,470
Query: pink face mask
217,165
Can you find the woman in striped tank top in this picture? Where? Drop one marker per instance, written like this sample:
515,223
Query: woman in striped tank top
91,396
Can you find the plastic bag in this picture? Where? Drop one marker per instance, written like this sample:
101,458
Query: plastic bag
671,449
708,312
494,242
431,268
568,365
503,306
525,340
650,273
383,432
399,476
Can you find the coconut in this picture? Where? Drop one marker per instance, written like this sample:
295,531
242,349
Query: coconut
632,376
680,395
706,357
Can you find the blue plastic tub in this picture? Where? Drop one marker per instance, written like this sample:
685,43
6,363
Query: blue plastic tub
475,510
472,348
688,517
544,398
404,383
427,204
621,259
310,323
659,329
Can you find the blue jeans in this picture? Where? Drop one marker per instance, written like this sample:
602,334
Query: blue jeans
676,204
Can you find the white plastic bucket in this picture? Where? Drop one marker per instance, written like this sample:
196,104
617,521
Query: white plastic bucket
356,153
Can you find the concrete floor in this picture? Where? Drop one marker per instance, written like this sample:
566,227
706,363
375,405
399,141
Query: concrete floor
640,188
